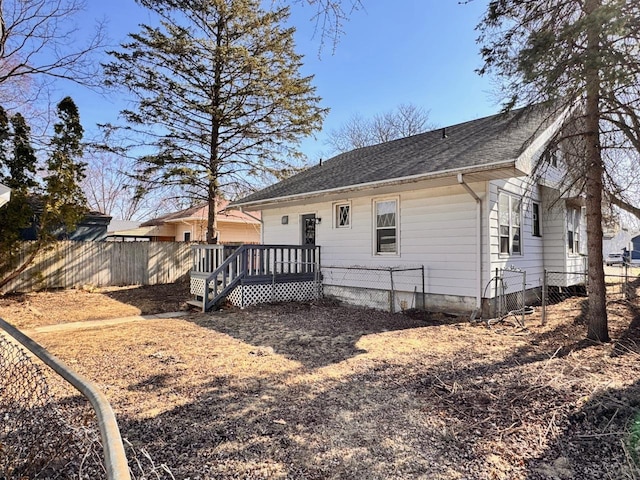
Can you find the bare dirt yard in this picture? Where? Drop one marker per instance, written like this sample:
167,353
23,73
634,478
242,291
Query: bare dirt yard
323,391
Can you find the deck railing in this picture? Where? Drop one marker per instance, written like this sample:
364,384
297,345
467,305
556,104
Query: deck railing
251,261
207,258
261,259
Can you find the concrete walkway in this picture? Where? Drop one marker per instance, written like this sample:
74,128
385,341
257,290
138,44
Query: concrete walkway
63,327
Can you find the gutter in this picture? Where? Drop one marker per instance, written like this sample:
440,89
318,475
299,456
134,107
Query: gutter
478,241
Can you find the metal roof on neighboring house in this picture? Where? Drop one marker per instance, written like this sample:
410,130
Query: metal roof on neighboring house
478,143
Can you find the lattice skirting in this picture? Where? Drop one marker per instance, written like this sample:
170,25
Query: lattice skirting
244,295
197,286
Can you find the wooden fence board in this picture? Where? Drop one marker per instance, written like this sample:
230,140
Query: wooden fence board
74,264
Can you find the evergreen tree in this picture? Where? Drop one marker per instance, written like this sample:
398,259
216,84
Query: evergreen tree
18,172
219,96
582,55
53,207
64,200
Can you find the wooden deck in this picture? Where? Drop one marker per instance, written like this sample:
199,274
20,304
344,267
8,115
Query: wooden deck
217,270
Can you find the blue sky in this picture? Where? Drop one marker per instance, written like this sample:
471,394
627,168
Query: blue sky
407,51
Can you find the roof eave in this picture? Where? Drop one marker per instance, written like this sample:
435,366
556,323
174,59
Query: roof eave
381,183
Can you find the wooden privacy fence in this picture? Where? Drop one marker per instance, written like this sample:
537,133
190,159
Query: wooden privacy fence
72,264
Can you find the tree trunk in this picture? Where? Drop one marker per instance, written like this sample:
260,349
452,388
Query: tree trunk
597,329
211,216
213,192
14,274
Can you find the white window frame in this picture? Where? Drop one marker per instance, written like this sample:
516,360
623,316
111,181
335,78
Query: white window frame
574,221
184,236
512,227
375,203
336,214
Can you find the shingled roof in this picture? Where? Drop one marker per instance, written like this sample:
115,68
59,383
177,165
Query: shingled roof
478,143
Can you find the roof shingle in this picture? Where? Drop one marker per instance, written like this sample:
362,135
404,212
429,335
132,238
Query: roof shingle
485,141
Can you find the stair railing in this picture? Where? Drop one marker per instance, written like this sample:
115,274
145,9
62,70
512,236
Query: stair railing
225,277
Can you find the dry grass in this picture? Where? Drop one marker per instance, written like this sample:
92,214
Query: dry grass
323,391
36,309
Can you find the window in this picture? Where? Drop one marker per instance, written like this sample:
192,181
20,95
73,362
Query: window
343,215
187,236
535,219
509,216
573,231
386,226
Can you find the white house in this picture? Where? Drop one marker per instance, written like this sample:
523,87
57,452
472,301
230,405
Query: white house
461,201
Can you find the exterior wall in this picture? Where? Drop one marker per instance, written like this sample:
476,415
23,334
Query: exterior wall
547,252
229,232
239,232
531,259
557,257
437,229
181,228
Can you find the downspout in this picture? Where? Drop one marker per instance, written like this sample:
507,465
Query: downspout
257,219
478,242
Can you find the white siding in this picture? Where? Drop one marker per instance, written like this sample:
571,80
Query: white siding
437,229
556,254
554,232
531,259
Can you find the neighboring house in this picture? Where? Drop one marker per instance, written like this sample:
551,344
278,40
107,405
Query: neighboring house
190,225
5,194
615,240
121,225
92,228
461,201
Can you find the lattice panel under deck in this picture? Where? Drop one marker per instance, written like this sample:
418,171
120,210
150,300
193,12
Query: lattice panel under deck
197,286
244,295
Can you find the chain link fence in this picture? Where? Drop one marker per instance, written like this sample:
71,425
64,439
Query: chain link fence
37,439
48,430
392,289
560,286
508,296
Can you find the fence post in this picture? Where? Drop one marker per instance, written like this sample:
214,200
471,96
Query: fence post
496,314
115,460
392,300
543,320
524,290
626,281
424,300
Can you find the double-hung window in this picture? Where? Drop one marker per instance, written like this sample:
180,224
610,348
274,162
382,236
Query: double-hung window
509,218
386,226
573,231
